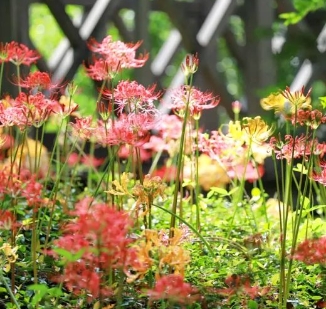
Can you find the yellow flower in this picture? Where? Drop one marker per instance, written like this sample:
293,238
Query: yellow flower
10,255
274,101
287,102
296,100
235,131
120,188
256,129
151,188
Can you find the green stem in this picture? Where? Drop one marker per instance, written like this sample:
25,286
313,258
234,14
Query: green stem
197,188
179,161
209,248
13,298
1,75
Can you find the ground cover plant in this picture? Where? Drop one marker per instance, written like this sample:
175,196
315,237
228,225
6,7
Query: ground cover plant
132,208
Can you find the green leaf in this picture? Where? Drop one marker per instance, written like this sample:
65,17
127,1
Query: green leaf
68,256
323,101
306,211
252,304
55,292
40,291
302,7
305,202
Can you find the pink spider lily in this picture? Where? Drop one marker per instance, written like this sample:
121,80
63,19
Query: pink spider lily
198,101
133,97
123,55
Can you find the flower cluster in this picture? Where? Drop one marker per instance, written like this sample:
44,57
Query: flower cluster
311,251
158,252
99,235
241,151
173,289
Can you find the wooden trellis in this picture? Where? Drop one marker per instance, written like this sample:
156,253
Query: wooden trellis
197,27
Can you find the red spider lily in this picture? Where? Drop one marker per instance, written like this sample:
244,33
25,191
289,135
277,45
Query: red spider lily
241,285
10,183
309,118
198,101
26,110
79,277
100,233
173,289
190,66
156,143
122,54
298,147
83,128
37,80
133,97
311,251
7,220
73,159
20,54
320,176
104,110
36,108
102,70
33,193
132,129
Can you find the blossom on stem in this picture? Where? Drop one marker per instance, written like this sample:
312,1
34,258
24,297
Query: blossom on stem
35,107
173,289
10,254
8,220
256,129
298,147
83,127
196,100
320,176
309,118
20,54
275,101
101,70
311,251
296,100
287,102
4,52
190,65
100,235
33,193
118,54
37,80
133,97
